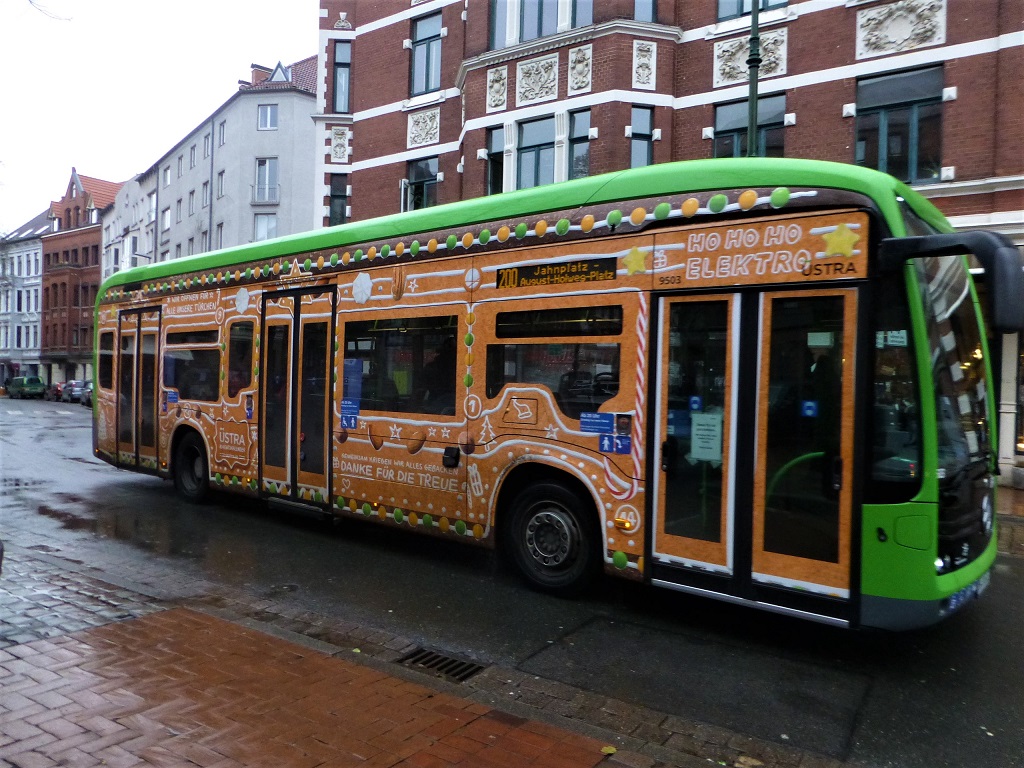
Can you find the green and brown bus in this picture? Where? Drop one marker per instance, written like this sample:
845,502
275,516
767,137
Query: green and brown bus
762,381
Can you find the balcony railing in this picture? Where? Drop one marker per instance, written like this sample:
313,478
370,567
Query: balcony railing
266,194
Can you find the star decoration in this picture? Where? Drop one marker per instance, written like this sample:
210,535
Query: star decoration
412,285
396,431
635,262
840,242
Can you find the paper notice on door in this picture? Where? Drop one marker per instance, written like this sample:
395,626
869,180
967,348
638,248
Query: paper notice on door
706,436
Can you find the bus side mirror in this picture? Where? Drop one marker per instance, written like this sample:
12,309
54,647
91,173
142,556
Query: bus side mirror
1001,260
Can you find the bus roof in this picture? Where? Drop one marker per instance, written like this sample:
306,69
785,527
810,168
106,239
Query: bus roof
651,181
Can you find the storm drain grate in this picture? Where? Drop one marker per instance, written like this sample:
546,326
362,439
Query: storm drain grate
443,666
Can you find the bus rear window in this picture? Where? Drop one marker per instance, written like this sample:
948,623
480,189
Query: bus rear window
106,360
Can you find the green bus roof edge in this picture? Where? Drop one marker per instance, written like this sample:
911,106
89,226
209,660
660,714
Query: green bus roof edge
673,178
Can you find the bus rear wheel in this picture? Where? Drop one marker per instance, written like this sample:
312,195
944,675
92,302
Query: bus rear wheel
551,539
191,475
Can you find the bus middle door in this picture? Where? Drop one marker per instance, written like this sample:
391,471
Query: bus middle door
295,394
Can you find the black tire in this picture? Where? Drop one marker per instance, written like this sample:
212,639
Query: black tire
191,470
551,537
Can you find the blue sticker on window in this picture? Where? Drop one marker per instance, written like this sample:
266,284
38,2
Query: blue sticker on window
597,422
809,408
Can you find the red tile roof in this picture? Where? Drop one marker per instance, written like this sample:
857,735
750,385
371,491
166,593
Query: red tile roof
303,74
102,192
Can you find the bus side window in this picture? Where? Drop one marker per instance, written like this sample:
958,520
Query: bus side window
239,357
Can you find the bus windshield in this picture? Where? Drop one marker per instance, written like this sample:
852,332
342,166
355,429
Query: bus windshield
958,363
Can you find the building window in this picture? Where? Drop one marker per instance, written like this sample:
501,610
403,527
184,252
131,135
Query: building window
265,226
899,124
181,165
222,130
641,145
579,144
177,251
167,176
192,156
191,246
266,117
165,219
267,188
206,145
339,199
536,159
732,9
426,55
206,193
342,77
177,211
495,160
421,190
191,202
645,10
220,235
220,184
732,122
537,18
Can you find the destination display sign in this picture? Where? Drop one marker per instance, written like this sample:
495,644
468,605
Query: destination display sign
559,273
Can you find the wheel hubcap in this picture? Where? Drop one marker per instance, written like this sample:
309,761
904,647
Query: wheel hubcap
552,538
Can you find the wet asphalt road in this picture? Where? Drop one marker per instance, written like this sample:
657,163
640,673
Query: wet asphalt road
949,696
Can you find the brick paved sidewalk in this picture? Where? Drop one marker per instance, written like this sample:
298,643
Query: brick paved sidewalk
179,687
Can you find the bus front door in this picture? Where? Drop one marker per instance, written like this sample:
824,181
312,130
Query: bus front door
137,389
753,486
295,395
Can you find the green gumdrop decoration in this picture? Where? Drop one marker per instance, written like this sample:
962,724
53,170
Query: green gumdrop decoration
428,521
717,203
468,339
562,226
451,242
460,527
468,380
662,210
615,218
399,515
779,197
619,560
521,230
415,247
366,509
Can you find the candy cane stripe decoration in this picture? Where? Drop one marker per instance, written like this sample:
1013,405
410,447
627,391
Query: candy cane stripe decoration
638,403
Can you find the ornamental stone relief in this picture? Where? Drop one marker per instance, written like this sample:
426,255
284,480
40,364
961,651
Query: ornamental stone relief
645,62
497,89
581,73
341,137
537,80
731,58
424,128
900,26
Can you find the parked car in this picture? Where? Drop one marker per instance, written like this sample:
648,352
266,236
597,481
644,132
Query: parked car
26,386
86,398
72,391
54,391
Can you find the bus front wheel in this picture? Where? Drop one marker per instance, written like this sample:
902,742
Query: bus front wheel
191,476
551,539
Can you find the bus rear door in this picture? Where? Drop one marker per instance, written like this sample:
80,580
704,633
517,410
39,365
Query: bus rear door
137,389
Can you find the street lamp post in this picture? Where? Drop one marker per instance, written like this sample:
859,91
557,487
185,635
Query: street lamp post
753,63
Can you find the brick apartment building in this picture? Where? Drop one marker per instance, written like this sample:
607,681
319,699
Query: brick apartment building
71,277
424,102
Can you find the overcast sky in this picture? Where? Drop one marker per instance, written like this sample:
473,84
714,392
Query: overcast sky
108,86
